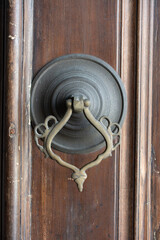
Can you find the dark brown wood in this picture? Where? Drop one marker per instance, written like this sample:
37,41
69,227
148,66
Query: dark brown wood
40,201
143,121
17,144
2,47
128,74
59,211
156,127
14,38
26,143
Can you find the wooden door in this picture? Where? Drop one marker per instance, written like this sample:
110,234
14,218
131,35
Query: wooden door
120,197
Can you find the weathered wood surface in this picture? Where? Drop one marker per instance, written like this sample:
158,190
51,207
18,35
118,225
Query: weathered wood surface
121,195
59,211
143,160
156,127
16,178
127,147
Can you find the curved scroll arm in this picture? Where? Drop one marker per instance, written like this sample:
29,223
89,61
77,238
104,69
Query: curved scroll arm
109,131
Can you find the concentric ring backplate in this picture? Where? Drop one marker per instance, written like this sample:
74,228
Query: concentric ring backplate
78,74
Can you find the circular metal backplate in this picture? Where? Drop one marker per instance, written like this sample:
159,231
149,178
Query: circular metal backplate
78,74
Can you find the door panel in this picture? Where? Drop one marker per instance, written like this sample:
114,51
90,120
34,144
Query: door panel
120,199
59,211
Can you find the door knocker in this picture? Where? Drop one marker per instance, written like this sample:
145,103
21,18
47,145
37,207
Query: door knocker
78,105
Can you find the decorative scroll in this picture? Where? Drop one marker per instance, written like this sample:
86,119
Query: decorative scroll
110,131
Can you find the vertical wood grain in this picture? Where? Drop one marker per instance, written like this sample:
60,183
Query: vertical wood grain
26,144
59,211
156,126
12,158
17,144
144,119
118,32
127,147
2,47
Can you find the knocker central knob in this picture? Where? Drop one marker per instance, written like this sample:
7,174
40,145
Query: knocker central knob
79,103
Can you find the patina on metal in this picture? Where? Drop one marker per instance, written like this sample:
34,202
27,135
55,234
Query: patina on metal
75,75
78,105
109,131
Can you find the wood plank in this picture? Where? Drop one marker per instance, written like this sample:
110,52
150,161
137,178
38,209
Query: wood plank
12,159
17,144
26,138
144,120
59,211
2,46
156,127
127,147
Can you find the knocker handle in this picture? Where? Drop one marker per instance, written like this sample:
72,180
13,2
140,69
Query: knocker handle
47,131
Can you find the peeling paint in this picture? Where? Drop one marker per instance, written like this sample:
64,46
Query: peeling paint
70,179
147,203
154,159
12,37
15,181
12,130
13,24
29,121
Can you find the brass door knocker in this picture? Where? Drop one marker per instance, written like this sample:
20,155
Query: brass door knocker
78,102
